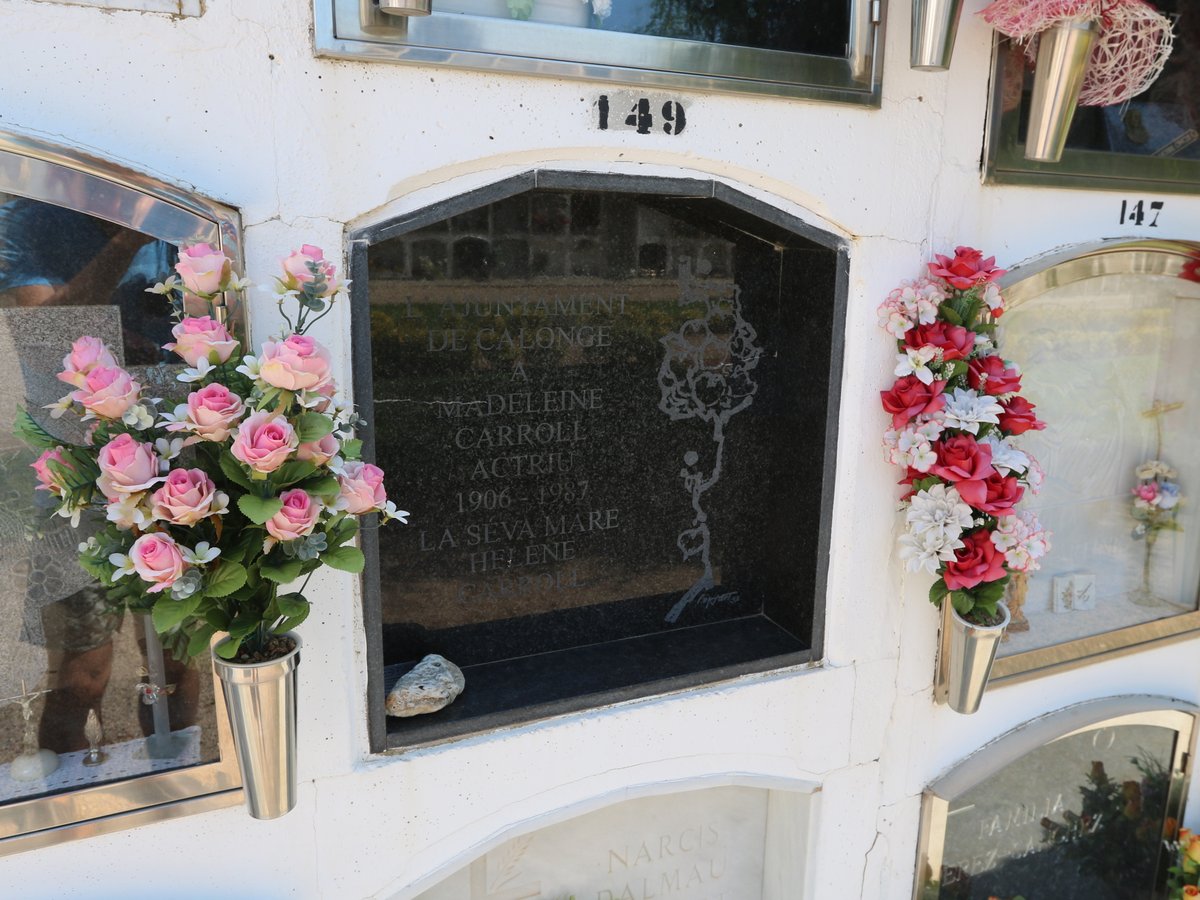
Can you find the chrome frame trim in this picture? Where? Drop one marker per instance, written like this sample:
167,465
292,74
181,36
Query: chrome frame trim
1023,283
356,30
1176,715
33,168
1005,163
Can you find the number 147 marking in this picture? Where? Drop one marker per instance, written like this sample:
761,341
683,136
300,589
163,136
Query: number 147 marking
1136,214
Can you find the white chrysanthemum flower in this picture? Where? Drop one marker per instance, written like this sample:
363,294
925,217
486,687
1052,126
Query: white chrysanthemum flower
927,551
967,410
1006,459
938,510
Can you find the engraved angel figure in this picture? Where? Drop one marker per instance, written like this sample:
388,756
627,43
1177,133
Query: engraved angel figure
706,375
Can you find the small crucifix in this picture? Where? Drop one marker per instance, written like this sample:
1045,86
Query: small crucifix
1156,412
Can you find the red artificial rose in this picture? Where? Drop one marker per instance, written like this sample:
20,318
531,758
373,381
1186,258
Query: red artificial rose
909,397
965,463
1003,493
990,374
967,269
1018,417
978,561
954,341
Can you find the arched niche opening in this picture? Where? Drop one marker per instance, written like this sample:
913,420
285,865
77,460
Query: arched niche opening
1106,336
610,405
749,840
1076,805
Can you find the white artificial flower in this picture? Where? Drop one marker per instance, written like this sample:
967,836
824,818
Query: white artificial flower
1006,459
129,512
71,511
202,555
164,287
390,512
983,342
239,284
60,406
123,563
927,551
220,504
992,296
938,510
199,373
967,410
168,448
915,362
249,366
915,450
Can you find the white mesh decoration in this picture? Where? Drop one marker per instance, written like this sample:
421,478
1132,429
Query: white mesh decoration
1131,49
1133,46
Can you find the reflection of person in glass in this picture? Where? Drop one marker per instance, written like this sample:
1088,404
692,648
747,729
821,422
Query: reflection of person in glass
51,257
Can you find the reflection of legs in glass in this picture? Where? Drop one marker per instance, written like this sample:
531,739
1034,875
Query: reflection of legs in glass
80,679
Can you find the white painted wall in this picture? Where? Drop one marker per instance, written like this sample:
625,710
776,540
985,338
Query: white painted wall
233,105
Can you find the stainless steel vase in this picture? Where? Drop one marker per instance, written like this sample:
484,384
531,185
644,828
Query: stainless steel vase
1063,54
406,7
971,653
934,25
260,699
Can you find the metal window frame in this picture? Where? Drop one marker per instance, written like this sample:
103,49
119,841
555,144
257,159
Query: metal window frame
356,30
38,170
1093,715
1022,284
1005,162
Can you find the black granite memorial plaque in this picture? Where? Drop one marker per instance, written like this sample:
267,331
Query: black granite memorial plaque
606,413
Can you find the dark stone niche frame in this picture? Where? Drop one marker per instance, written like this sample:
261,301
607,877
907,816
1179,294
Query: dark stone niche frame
770,516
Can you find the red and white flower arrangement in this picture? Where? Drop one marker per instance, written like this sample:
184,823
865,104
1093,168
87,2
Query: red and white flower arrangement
955,408
251,483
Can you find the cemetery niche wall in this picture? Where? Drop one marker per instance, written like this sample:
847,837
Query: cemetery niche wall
608,403
1107,333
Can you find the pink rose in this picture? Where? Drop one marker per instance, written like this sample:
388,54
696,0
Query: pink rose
1147,492
126,467
212,412
1018,417
990,374
1003,493
297,364
49,481
307,265
319,452
978,561
909,397
361,486
87,353
156,558
203,268
954,341
296,519
203,337
108,392
967,269
264,441
185,498
965,463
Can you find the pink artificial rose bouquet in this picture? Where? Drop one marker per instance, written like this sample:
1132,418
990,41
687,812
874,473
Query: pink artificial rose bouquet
250,483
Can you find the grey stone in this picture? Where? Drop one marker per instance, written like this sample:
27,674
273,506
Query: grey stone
431,684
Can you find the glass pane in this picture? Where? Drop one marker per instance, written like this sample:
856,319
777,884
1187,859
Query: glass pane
1111,361
818,27
1081,818
605,414
65,655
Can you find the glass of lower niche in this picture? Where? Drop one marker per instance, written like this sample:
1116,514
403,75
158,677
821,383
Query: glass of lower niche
606,413
88,695
1110,355
1087,816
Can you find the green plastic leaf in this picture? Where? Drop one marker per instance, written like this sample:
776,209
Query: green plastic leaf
352,449
200,640
169,612
228,649
924,484
281,573
325,487
937,591
291,472
312,426
292,604
227,576
28,430
343,530
259,509
962,602
347,559
233,471
949,314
